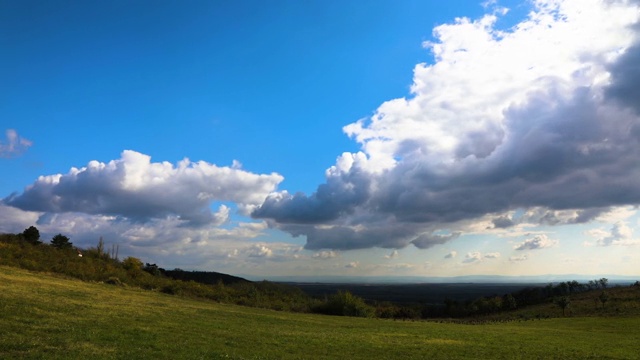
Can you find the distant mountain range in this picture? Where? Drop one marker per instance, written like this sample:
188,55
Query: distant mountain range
489,279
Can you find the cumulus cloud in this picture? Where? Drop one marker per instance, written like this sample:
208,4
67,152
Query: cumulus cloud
620,234
493,255
451,255
260,251
534,117
536,242
14,144
135,188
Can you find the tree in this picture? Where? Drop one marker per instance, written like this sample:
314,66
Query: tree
100,248
133,266
603,282
574,286
61,242
509,302
563,302
32,235
152,269
132,263
604,297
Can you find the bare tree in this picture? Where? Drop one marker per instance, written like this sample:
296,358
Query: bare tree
604,297
563,302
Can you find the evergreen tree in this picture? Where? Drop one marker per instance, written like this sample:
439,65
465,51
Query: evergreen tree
61,242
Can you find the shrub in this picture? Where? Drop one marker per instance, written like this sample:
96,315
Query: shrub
345,304
171,289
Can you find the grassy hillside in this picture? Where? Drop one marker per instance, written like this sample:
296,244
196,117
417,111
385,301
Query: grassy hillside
47,316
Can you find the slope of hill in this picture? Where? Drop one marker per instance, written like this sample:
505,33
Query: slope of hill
45,316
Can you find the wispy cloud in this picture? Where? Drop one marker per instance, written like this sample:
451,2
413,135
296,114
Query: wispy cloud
394,254
473,257
518,258
325,255
14,144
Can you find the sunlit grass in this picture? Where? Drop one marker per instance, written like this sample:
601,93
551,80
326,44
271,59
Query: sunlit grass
50,317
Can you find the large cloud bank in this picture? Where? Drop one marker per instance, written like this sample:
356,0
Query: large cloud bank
543,116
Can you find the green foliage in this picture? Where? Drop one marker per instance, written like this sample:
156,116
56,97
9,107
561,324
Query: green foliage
509,302
132,264
152,269
61,242
344,303
32,235
604,282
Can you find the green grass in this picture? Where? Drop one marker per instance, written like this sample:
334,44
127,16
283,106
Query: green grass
51,317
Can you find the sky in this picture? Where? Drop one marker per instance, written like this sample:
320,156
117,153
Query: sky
327,138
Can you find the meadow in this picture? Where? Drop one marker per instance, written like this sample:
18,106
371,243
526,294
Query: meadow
53,317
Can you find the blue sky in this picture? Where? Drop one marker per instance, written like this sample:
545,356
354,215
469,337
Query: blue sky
327,137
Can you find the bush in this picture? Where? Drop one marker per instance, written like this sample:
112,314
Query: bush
345,304
171,289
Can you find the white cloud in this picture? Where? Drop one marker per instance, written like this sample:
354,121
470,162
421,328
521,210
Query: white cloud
394,254
166,242
519,258
472,257
259,250
620,234
136,188
451,255
536,242
352,265
615,214
14,144
15,220
325,255
534,117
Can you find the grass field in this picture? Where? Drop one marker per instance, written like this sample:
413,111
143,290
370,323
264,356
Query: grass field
49,317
